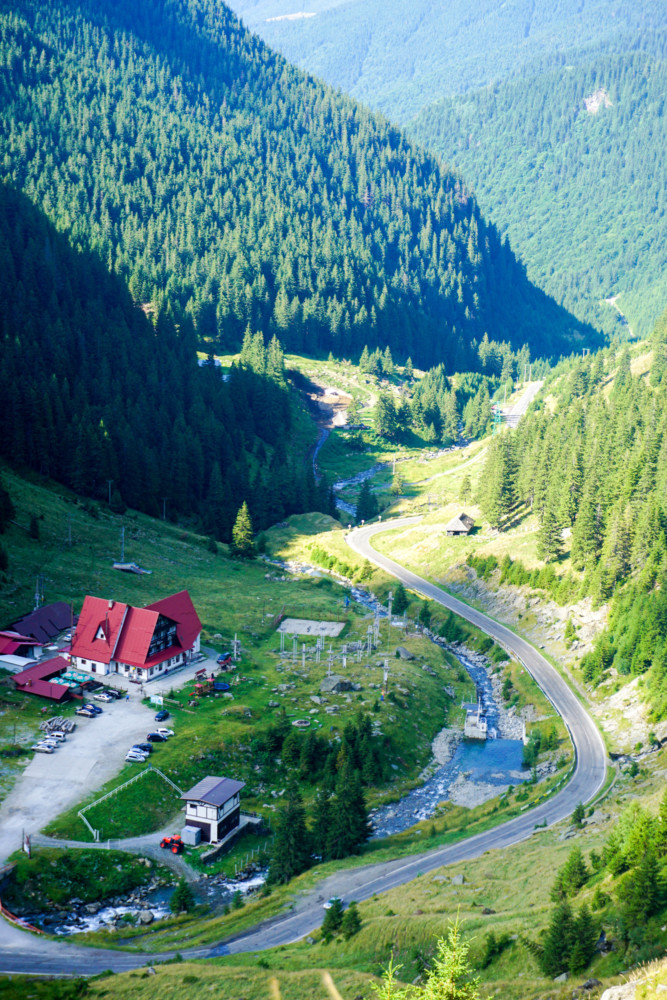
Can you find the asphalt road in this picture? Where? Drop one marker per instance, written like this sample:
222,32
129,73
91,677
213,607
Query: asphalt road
20,952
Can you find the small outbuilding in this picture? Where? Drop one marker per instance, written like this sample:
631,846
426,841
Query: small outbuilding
44,679
462,524
213,806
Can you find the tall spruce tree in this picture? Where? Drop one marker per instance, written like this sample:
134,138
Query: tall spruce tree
243,545
290,853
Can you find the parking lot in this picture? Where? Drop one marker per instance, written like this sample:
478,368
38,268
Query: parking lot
92,755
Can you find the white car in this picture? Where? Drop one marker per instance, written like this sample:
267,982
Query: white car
42,748
135,757
103,696
164,732
60,737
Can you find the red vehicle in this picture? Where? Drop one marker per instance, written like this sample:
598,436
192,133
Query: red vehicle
173,844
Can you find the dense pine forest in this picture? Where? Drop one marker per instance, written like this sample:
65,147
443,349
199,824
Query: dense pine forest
596,468
548,156
497,90
208,173
94,391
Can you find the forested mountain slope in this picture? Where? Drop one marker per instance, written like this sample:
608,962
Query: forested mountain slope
570,163
400,55
497,90
206,171
592,464
93,391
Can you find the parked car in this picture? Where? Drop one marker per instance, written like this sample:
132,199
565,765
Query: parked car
61,737
93,708
115,693
87,712
41,748
162,715
156,738
143,747
330,902
103,696
135,757
52,744
164,732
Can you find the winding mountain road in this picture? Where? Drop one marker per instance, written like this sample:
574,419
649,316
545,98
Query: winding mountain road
22,952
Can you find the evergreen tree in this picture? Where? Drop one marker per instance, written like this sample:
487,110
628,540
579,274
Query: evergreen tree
367,505
290,854
549,538
243,545
6,508
385,417
408,371
425,614
400,601
450,975
333,919
558,941
182,899
465,493
350,828
585,938
351,922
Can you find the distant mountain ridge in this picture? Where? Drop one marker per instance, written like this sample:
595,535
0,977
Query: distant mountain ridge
207,172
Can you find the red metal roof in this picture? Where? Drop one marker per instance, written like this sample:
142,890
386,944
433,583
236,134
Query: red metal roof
97,632
135,637
11,641
35,680
126,632
180,609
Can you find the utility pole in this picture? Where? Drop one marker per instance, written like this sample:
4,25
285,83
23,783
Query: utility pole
164,508
122,544
109,484
236,647
303,656
389,603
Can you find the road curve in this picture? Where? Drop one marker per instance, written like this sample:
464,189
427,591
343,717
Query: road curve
20,952
591,756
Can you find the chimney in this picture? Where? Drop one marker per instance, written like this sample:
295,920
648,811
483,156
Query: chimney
110,605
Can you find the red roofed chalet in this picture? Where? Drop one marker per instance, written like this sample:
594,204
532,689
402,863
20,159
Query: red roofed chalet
138,643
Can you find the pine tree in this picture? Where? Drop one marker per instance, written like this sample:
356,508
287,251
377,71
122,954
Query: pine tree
367,505
585,939
400,602
290,854
425,614
465,493
549,537
450,975
408,371
558,941
243,545
182,899
333,919
349,828
351,922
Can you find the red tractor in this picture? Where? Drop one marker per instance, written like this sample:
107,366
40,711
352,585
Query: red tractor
173,844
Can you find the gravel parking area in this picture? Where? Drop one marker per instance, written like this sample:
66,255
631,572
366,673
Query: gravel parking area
51,783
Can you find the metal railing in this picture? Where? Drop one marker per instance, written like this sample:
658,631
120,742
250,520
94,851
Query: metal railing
119,788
